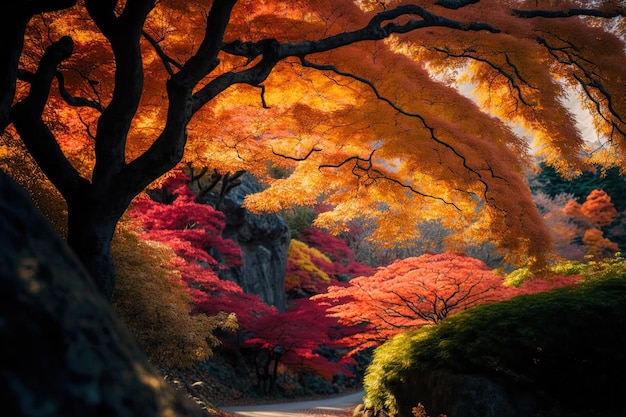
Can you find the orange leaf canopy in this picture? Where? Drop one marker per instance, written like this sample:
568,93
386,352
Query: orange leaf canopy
419,126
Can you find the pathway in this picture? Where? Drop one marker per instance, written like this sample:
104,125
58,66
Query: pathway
333,406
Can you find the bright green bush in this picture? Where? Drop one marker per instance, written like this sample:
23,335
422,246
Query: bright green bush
568,343
590,268
517,277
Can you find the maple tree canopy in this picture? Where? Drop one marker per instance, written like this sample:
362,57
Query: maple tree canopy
396,111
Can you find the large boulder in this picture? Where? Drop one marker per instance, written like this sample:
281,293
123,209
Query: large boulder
63,351
264,241
442,393
462,395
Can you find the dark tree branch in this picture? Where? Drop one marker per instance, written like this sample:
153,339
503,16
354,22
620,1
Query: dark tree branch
295,158
552,14
123,33
588,81
167,60
273,51
374,30
455,4
13,24
167,150
364,167
263,102
469,54
76,101
400,110
26,116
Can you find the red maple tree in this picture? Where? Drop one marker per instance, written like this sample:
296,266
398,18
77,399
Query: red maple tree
591,217
194,231
416,291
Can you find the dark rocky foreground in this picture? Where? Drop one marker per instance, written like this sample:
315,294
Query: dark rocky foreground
63,352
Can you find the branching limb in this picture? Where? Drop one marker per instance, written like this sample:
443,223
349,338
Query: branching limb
381,26
455,4
294,158
364,168
26,116
167,60
588,80
76,101
469,54
552,14
400,110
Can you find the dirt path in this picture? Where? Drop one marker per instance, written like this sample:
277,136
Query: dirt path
335,406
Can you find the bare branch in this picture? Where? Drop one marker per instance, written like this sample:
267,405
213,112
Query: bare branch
364,167
76,101
455,4
26,116
511,78
552,14
400,110
588,80
294,158
167,60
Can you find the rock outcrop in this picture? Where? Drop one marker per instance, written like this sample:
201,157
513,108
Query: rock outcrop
264,241
63,351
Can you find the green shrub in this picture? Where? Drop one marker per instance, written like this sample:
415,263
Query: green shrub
298,219
517,277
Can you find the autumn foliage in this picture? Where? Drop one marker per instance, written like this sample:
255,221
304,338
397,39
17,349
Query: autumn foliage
412,292
153,302
590,218
317,261
193,231
192,249
395,112
364,104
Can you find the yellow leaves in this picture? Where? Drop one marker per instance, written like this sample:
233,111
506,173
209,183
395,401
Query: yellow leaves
301,255
153,302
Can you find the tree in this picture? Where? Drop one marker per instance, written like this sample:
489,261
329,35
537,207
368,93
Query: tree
416,291
562,225
294,338
599,209
591,218
154,303
110,92
410,293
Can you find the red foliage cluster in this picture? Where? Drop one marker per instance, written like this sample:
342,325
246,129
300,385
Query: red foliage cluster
191,229
595,214
194,232
416,291
533,286
301,331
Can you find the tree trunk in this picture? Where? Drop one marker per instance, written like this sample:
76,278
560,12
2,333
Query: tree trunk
90,231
